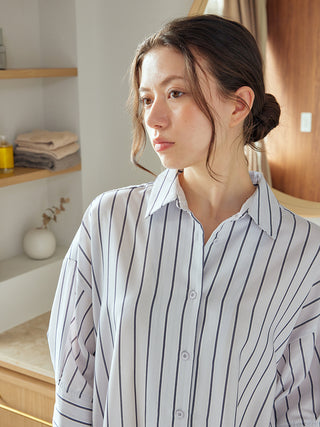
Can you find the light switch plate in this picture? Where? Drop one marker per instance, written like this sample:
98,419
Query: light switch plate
306,122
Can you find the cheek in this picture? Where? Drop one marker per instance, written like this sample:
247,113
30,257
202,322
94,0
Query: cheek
148,131
145,126
198,123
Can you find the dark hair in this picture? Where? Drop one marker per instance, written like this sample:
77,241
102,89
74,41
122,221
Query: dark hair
232,57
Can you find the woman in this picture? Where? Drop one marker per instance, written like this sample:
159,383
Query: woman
193,300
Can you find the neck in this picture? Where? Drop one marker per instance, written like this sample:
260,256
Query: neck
212,201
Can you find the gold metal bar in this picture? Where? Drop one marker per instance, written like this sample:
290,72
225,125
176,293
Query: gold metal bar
23,414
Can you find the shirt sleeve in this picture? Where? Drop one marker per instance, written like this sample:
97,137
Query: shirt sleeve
71,337
298,387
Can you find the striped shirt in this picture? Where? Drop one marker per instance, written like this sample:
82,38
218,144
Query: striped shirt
152,327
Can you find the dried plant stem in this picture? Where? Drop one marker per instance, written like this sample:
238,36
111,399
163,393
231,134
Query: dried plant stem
50,214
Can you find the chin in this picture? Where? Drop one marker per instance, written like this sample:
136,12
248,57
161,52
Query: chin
171,164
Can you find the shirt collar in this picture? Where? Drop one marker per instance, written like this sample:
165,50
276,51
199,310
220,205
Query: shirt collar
164,190
262,206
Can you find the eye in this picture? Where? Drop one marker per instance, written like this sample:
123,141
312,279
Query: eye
175,94
145,101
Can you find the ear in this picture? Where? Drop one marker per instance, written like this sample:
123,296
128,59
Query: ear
243,104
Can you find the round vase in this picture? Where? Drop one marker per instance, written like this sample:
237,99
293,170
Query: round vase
39,243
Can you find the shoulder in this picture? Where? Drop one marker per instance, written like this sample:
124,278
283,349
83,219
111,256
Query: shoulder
111,208
299,224
117,200
299,239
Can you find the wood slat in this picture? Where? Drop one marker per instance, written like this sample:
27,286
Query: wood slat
293,76
21,175
25,395
198,7
30,73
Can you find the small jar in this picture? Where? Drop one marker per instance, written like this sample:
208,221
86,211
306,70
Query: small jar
6,156
3,57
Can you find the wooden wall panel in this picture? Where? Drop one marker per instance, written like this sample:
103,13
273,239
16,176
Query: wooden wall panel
293,76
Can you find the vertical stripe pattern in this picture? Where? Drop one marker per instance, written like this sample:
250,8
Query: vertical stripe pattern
152,327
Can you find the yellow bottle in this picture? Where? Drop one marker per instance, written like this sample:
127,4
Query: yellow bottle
6,156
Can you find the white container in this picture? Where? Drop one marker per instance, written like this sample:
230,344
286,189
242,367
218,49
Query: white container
39,243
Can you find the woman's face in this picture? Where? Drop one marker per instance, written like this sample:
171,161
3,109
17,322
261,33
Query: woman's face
178,130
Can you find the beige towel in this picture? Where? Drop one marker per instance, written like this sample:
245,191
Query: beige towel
46,139
58,153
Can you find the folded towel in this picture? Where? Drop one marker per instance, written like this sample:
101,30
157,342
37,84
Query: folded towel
57,153
50,140
43,161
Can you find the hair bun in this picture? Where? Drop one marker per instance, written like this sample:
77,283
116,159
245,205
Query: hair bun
266,119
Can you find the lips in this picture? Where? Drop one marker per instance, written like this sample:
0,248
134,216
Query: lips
161,145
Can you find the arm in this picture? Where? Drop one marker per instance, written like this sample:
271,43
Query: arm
71,338
298,392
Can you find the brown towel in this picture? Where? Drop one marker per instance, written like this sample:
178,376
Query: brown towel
57,153
45,139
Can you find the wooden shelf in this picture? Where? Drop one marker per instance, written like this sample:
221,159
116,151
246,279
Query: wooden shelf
20,175
30,73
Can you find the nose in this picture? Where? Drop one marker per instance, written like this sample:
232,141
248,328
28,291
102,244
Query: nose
157,115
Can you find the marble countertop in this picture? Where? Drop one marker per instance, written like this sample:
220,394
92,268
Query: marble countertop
25,348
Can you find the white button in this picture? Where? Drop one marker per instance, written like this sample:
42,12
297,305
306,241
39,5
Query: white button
185,355
179,413
193,295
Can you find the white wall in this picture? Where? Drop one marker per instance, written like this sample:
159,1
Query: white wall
107,35
38,33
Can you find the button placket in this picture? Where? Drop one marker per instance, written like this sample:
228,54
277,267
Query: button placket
193,294
179,414
185,355
189,332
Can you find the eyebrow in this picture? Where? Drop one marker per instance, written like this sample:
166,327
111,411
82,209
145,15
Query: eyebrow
164,82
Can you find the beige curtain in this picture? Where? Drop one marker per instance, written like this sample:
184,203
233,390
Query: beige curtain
253,15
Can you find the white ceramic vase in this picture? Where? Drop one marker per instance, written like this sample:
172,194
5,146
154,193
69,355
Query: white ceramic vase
39,243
